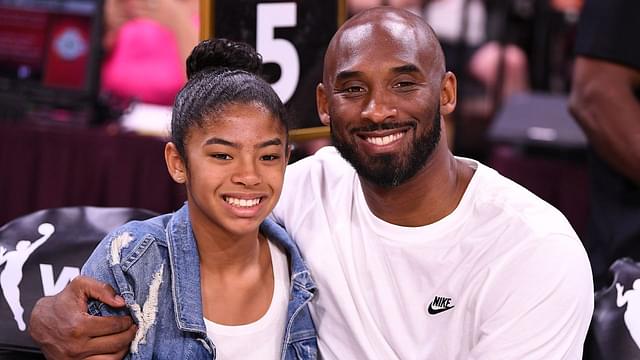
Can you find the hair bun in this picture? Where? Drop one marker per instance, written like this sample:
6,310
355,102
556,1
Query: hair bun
216,54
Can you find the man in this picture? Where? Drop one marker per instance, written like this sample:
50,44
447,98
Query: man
416,253
606,74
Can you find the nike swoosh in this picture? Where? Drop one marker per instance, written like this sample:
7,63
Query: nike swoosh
437,309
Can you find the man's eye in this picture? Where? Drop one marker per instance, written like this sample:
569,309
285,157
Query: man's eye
402,84
354,89
221,156
351,90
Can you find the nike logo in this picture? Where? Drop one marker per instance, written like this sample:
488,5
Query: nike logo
439,304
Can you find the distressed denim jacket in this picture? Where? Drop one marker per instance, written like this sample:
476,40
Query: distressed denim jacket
154,266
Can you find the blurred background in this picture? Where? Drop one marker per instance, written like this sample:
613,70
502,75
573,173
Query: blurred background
86,88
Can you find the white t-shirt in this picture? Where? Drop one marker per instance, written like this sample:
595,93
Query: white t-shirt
261,339
504,274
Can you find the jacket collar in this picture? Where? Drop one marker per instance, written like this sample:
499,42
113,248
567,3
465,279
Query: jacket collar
300,275
185,272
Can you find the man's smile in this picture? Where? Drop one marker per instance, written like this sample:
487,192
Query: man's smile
382,139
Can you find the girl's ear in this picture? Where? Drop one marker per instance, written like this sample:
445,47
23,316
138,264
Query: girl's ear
287,154
175,164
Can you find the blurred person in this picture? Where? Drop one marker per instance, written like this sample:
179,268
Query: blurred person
146,44
605,102
416,253
489,68
472,45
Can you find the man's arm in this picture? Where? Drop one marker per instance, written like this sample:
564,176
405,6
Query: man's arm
603,103
536,303
62,327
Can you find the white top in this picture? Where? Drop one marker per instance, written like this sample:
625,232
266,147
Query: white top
261,339
445,17
504,276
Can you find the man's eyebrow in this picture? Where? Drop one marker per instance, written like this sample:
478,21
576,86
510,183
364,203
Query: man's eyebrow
404,69
347,74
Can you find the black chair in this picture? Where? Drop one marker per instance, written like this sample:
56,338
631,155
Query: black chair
39,254
615,327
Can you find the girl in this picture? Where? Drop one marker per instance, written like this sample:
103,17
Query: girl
216,279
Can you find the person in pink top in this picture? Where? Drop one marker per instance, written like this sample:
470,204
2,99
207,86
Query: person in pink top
146,44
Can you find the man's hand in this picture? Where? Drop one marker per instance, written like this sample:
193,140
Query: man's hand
64,329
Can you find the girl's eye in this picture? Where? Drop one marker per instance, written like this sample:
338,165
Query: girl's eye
221,156
270,157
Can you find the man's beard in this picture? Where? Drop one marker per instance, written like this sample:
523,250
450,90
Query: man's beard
391,170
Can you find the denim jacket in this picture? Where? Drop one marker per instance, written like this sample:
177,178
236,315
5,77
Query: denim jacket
154,265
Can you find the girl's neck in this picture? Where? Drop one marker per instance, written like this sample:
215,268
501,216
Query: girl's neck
236,276
226,253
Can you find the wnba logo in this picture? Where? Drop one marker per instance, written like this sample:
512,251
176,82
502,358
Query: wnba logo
631,298
11,275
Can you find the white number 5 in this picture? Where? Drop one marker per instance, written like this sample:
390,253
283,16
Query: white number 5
279,51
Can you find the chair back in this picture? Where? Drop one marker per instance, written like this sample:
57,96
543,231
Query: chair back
615,327
40,253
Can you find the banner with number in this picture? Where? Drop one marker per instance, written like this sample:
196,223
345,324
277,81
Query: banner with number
292,37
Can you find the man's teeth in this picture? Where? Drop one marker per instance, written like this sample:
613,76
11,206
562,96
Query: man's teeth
242,202
385,139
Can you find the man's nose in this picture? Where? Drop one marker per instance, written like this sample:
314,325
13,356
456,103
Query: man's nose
379,107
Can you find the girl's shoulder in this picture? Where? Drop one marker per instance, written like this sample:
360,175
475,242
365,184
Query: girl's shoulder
131,240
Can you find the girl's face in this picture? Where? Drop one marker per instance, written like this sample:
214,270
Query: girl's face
235,168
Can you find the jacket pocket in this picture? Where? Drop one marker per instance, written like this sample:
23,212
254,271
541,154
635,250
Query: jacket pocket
305,349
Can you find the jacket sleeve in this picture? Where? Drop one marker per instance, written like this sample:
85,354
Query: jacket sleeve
100,267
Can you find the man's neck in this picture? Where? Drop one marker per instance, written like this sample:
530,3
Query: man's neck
433,193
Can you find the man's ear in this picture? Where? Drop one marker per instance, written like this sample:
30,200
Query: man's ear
321,103
448,93
175,164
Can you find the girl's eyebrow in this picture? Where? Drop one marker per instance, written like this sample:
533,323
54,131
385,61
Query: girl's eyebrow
219,141
274,141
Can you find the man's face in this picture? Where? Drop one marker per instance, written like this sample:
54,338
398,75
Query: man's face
382,96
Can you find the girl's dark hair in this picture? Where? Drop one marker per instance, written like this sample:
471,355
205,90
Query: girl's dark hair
220,72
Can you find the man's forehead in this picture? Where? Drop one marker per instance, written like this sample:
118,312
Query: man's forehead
367,43
382,33
385,30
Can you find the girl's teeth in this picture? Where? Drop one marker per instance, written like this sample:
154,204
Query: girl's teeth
242,202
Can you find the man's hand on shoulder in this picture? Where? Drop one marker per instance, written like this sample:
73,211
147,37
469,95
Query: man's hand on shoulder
62,327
